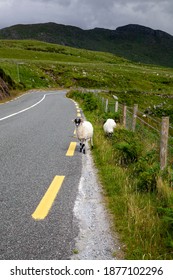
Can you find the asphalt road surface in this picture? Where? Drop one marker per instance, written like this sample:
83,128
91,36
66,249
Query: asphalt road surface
35,134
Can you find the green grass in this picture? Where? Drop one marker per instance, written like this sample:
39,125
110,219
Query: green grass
138,195
136,43
135,215
34,64
143,218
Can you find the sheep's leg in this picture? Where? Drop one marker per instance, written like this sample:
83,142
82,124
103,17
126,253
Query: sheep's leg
80,147
83,148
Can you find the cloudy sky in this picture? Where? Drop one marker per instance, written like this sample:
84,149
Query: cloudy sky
87,14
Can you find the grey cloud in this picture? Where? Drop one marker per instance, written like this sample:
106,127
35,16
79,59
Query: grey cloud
88,14
61,2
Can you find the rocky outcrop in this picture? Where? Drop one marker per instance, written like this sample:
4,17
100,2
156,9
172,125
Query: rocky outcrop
4,90
6,83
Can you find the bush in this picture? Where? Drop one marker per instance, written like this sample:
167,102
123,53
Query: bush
88,99
111,115
77,95
146,171
147,179
128,146
128,153
166,215
90,102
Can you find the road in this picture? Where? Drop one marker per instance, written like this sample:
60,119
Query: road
35,134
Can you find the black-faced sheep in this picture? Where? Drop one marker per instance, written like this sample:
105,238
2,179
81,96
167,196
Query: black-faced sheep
84,132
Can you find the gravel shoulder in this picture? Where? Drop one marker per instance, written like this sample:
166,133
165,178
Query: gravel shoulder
95,240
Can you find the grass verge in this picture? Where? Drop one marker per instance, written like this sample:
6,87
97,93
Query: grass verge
138,195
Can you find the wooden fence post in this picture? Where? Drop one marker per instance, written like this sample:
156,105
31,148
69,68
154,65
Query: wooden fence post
164,142
135,110
116,106
103,102
124,115
106,107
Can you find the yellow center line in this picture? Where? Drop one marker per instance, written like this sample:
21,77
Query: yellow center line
45,204
78,115
71,149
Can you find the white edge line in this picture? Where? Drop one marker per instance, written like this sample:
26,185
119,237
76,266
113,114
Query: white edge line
19,112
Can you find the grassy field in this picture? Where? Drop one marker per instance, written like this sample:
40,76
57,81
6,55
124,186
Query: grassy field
33,64
137,194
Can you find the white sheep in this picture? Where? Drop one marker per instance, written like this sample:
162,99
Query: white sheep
84,132
109,126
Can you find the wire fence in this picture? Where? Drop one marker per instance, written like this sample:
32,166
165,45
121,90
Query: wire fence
157,134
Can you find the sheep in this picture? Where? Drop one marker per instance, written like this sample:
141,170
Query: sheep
109,126
84,132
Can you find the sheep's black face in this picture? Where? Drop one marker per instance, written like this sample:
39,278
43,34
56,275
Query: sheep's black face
77,121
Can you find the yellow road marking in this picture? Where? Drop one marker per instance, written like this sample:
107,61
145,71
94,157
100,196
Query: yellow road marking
45,204
78,115
74,134
71,149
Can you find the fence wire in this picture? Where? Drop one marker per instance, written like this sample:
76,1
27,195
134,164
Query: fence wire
147,127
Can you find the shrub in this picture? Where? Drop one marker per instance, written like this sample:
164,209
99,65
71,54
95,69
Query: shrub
111,115
128,152
88,99
166,215
77,95
128,146
146,170
90,102
147,179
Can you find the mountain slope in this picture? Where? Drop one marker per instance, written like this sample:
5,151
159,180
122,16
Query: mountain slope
134,42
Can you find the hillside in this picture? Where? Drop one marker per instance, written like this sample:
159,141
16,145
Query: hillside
133,42
28,64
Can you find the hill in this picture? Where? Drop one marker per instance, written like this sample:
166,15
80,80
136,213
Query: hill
28,64
134,42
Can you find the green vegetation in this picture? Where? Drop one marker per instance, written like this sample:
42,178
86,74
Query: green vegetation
138,194
134,42
34,64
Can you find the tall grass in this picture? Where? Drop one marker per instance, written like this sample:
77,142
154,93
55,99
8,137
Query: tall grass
140,215
135,214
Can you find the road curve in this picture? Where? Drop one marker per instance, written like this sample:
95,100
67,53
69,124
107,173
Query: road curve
35,133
